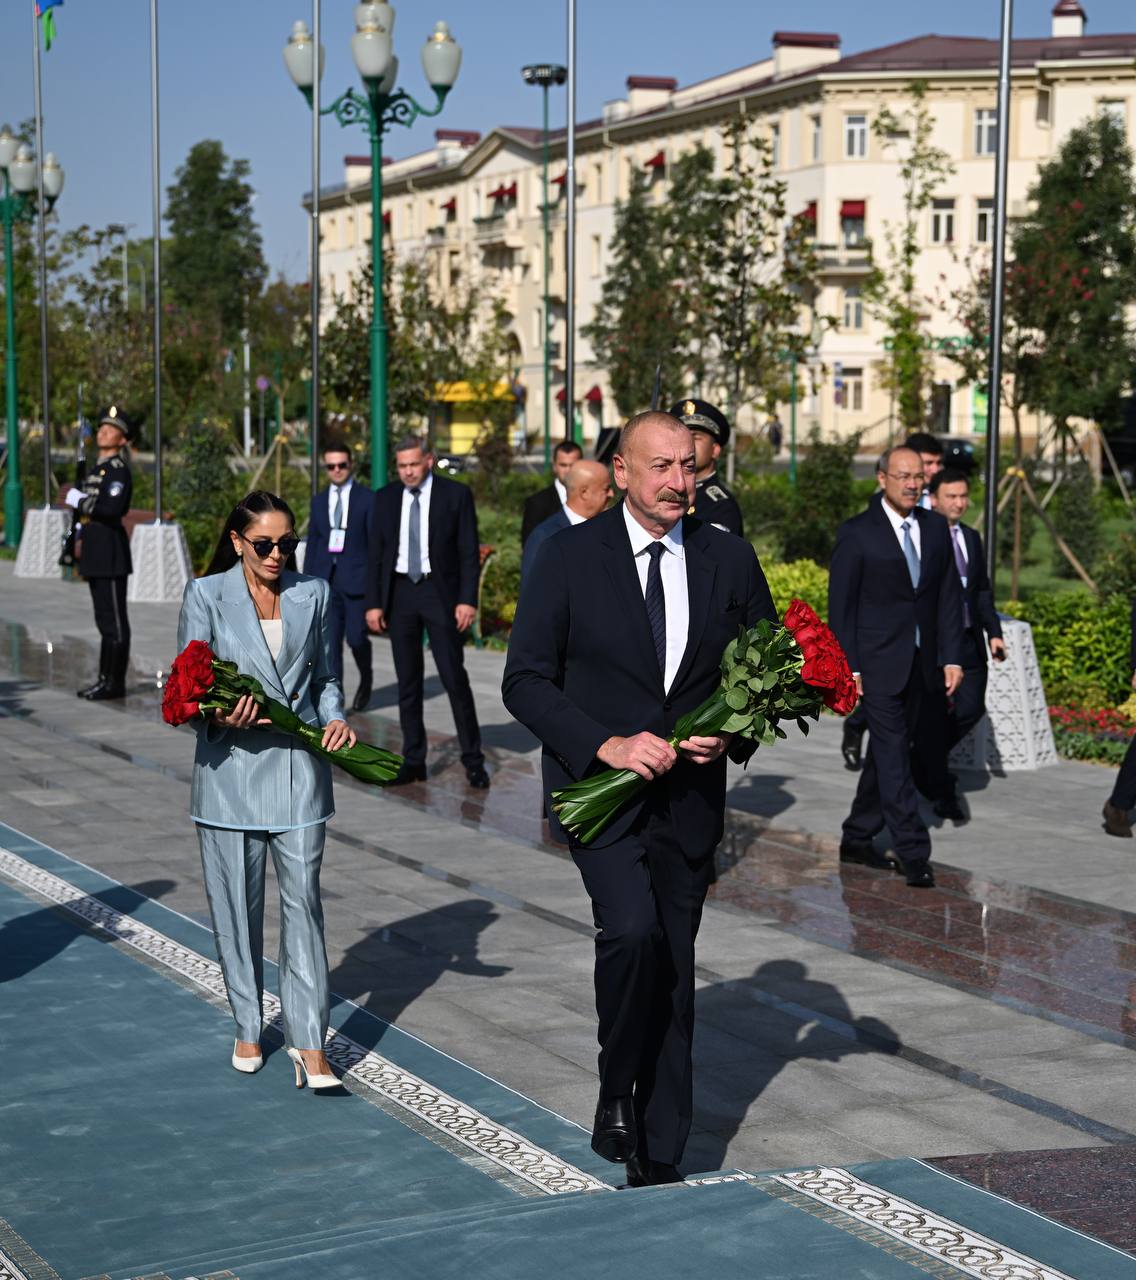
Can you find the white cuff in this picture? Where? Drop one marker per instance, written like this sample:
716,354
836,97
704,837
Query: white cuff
74,496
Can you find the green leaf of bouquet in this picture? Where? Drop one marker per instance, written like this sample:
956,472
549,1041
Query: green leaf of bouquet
770,679
739,722
779,731
736,699
803,725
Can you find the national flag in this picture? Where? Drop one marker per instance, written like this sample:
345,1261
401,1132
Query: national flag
47,19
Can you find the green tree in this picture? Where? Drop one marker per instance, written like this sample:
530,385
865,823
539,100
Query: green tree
1075,254
635,325
214,266
890,290
823,501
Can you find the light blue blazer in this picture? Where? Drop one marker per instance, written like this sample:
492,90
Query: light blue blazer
258,779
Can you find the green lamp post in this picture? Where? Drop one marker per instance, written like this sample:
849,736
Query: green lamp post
376,109
17,204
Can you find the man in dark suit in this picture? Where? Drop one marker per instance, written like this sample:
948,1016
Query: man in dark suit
539,506
619,631
1122,801
424,565
339,532
895,604
950,497
588,485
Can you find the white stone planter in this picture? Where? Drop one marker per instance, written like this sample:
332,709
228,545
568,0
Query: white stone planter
41,542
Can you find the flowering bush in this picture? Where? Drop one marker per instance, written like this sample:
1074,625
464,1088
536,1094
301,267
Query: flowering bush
1082,733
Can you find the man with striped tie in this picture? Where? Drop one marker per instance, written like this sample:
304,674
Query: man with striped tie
422,576
895,604
619,631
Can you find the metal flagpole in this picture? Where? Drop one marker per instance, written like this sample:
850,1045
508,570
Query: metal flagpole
570,238
998,294
156,192
376,230
42,212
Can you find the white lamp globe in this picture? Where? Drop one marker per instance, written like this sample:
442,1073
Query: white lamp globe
387,83
52,176
371,43
441,58
22,169
9,144
299,56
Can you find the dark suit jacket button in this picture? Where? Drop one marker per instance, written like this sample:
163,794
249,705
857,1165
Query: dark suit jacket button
667,705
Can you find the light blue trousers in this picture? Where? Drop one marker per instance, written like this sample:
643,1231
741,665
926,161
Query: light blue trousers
233,863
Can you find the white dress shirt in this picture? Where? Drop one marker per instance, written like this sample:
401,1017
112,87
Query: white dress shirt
344,491
561,491
672,569
897,524
573,517
401,565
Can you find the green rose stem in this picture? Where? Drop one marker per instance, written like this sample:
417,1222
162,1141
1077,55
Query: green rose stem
363,761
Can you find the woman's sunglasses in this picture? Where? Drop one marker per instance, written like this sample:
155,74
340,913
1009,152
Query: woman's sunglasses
263,546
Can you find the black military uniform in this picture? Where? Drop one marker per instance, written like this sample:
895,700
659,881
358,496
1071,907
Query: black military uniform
713,502
104,558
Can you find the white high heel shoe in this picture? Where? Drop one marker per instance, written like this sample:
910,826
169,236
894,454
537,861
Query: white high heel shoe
314,1081
248,1065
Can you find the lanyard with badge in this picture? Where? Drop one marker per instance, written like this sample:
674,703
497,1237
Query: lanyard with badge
338,534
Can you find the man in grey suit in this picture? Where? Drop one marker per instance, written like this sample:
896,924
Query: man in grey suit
589,489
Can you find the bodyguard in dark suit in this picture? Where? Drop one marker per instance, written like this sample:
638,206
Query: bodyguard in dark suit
548,501
619,631
588,485
423,570
895,604
104,550
339,531
950,497
1120,804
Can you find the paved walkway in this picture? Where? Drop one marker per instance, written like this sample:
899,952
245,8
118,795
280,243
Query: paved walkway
841,1017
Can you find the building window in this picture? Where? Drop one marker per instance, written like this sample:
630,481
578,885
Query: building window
852,214
817,138
1117,111
597,255
775,146
597,184
537,338
855,137
942,221
853,308
854,390
984,222
1044,110
985,131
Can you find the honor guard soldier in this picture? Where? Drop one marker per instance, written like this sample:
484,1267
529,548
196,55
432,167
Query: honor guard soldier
104,555
713,502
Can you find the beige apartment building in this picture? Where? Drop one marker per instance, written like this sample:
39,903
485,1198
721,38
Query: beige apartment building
472,204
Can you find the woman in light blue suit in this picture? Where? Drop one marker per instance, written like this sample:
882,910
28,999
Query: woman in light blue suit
255,790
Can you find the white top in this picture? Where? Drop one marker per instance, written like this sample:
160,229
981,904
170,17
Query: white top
344,491
672,570
401,565
273,629
561,491
897,524
573,516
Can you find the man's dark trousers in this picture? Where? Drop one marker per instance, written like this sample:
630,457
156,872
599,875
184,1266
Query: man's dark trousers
647,900
970,699
416,607
347,617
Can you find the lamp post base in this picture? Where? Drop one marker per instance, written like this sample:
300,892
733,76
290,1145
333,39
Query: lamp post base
42,541
161,563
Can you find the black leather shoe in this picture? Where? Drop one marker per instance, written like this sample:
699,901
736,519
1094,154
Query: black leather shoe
852,747
1116,821
408,773
952,808
92,689
106,692
362,697
614,1134
650,1173
865,854
919,874
477,778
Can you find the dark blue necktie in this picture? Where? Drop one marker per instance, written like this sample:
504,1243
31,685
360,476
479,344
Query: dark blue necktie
657,604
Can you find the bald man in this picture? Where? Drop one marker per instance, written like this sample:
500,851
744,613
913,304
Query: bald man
619,631
588,485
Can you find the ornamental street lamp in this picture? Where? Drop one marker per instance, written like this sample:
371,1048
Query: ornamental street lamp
17,204
376,109
546,74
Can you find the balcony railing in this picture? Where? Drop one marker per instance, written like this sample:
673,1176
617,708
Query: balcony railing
498,229
848,259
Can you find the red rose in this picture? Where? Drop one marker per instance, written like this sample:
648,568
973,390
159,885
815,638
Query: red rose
196,661
807,638
178,705
799,615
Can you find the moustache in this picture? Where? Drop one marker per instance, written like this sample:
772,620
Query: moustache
670,495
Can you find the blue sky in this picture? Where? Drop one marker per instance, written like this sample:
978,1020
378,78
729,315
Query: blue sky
222,76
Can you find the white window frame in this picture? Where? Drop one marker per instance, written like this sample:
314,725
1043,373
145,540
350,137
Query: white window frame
856,136
853,308
853,390
775,145
986,131
853,239
984,221
1044,118
943,221
817,139
1117,108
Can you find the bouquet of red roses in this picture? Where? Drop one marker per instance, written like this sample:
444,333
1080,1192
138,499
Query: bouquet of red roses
200,683
769,674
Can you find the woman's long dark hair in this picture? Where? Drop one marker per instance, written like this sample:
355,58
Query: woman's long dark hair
252,505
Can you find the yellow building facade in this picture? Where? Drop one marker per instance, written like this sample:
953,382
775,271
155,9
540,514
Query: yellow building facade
472,204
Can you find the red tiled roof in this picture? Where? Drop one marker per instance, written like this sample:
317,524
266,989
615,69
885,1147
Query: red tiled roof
807,39
652,82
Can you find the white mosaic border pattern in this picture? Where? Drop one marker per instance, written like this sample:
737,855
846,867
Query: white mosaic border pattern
9,1270
939,1238
423,1100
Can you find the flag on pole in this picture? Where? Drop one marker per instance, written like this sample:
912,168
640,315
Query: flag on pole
46,16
